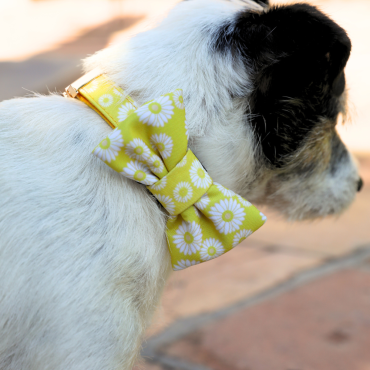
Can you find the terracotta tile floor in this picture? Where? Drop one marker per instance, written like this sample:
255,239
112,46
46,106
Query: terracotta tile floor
323,325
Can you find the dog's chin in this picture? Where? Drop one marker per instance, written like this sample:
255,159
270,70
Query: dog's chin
297,198
304,210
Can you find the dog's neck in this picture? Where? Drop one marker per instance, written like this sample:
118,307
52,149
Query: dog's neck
161,60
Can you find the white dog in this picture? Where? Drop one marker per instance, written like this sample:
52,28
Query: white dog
83,254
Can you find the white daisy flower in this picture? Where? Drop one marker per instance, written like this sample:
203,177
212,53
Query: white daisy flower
211,248
156,113
202,202
244,202
224,191
137,149
167,203
227,215
106,100
183,192
240,236
199,176
93,85
109,148
188,237
139,172
179,99
182,163
117,92
155,164
196,211
264,218
159,185
183,264
125,111
163,143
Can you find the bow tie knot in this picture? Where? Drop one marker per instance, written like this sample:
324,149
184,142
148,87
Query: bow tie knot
179,183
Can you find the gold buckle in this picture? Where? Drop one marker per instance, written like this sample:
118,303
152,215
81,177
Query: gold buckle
72,90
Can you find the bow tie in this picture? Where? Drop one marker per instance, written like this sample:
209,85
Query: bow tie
150,146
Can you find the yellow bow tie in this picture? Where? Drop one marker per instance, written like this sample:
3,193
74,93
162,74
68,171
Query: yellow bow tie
150,146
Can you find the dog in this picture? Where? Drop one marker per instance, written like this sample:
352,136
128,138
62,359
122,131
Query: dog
83,253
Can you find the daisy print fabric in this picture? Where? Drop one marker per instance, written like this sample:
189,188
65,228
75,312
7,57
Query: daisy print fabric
108,149
150,146
163,143
108,99
157,113
125,110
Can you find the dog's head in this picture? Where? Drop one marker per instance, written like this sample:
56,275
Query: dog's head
264,89
296,56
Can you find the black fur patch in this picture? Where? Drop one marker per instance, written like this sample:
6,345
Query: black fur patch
262,2
297,55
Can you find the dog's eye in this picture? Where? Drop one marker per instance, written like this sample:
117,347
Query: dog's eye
339,84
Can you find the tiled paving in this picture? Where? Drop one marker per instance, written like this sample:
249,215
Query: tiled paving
323,325
242,272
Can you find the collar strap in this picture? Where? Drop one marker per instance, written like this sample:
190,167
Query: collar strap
95,90
150,146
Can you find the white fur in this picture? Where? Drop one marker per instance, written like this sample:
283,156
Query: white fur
83,255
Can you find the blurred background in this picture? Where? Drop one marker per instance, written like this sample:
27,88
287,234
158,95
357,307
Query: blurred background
291,297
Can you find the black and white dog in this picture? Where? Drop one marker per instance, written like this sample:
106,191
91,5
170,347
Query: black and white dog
83,254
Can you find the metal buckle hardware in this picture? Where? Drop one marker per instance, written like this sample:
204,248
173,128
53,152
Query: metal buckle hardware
72,90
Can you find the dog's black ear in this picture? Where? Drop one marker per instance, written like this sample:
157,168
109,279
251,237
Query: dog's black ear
297,31
296,55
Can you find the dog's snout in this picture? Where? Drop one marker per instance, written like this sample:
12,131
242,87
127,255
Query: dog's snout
360,184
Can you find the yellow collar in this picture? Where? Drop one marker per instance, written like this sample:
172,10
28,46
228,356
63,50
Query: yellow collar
85,88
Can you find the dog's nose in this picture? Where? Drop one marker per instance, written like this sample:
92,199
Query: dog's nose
360,184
